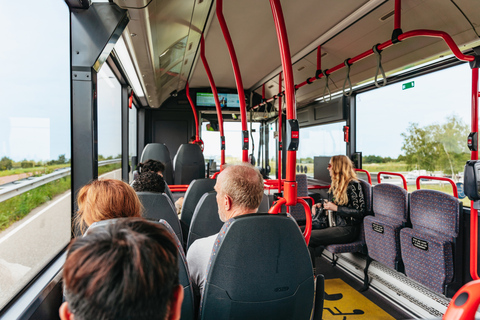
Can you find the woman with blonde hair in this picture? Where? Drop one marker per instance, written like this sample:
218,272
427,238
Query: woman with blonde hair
106,199
346,205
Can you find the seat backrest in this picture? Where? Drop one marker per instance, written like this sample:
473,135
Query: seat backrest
256,271
205,221
367,194
297,211
158,206
194,192
390,201
189,164
265,204
168,192
436,211
188,304
159,152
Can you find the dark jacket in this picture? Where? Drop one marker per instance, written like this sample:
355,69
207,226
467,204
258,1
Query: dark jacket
354,211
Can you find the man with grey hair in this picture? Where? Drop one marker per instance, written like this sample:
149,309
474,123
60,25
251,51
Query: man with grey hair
239,191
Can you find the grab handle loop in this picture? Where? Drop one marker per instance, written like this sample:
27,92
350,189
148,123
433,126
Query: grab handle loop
378,53
324,72
347,78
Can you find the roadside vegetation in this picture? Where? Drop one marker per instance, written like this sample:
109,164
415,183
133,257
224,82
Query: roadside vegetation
16,208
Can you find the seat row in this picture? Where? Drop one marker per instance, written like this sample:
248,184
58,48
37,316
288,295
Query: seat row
417,233
188,163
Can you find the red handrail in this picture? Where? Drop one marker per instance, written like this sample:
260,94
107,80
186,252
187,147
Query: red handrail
410,34
473,211
280,147
393,174
368,174
290,185
454,186
215,175
217,103
178,187
318,187
275,209
197,136
464,303
238,77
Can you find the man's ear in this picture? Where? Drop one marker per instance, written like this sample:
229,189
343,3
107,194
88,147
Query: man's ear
64,312
176,304
228,203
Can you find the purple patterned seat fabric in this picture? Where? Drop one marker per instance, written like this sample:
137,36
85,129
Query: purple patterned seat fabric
297,211
382,231
427,246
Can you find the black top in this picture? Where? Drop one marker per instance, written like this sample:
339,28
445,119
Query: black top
353,212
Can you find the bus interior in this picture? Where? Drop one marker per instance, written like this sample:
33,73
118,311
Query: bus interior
91,85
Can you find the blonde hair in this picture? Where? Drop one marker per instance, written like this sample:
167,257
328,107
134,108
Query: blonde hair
342,173
244,184
106,199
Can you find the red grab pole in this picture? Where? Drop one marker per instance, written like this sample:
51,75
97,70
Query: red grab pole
398,14
290,185
194,110
280,147
217,102
474,156
238,79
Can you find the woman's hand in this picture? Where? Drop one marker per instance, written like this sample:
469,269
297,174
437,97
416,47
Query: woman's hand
330,206
314,208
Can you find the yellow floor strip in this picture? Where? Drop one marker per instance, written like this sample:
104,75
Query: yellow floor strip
342,302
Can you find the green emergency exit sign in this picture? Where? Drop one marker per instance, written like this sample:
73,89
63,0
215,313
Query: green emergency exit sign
408,85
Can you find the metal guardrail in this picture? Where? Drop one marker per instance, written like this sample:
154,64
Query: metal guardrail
16,188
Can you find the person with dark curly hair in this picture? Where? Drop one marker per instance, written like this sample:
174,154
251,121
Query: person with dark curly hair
151,165
149,181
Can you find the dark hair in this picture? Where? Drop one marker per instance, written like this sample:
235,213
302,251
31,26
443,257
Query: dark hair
151,165
149,181
192,139
127,270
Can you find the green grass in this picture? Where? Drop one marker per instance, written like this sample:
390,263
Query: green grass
34,171
18,207
389,166
446,188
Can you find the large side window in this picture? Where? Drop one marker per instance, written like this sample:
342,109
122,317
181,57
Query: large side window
323,140
109,124
35,224
418,127
233,134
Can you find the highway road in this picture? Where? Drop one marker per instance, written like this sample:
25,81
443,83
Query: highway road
28,245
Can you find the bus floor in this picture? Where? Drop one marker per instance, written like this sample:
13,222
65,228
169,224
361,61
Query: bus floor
343,300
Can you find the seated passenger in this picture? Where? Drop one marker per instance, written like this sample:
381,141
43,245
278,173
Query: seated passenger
347,206
151,165
128,270
106,199
149,181
239,191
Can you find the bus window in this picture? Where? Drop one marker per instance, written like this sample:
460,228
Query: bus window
418,127
35,225
323,140
109,124
233,137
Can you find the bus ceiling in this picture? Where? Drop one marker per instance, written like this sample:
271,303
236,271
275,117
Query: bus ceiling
164,41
